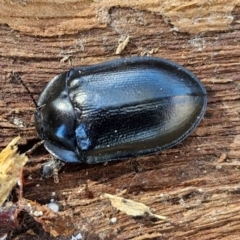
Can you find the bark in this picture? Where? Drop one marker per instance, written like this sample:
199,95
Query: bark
195,184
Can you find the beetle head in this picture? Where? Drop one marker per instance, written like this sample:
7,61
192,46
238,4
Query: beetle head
55,120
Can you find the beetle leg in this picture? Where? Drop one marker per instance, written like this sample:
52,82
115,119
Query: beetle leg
51,168
35,146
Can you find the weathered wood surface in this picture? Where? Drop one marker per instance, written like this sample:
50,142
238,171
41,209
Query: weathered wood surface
196,184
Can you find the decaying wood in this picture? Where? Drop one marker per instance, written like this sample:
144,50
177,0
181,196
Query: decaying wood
11,163
195,184
51,18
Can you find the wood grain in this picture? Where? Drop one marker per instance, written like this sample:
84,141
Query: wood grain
195,184
60,17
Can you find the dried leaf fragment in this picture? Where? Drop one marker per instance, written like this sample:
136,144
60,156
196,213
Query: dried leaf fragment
122,45
11,162
131,207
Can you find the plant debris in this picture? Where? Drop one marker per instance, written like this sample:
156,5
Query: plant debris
11,163
130,207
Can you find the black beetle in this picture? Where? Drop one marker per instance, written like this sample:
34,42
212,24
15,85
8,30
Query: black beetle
118,109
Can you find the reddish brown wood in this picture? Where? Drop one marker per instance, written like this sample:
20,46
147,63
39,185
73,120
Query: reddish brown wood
193,184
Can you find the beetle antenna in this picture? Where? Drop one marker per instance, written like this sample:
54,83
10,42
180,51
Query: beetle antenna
19,79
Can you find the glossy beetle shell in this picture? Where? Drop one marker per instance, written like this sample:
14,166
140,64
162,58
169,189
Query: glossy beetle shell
118,109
